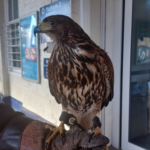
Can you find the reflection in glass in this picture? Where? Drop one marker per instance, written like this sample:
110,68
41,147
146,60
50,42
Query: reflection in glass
13,9
16,64
16,56
10,10
15,3
139,119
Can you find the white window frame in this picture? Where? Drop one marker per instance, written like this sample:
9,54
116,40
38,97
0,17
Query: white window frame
7,24
12,11
126,145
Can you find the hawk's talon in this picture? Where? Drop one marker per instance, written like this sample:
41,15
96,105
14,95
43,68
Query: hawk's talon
63,138
91,135
59,129
97,126
97,131
46,146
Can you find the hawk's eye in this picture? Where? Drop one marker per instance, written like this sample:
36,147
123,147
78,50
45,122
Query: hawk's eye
52,22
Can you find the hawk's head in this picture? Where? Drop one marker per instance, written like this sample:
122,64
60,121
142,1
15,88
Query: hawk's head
61,28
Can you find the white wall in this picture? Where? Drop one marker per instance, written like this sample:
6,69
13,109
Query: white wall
36,97
113,48
109,49
95,21
29,6
94,31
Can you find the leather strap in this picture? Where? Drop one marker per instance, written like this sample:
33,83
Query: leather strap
96,122
67,118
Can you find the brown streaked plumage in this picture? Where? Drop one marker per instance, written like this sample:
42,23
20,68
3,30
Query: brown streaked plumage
80,73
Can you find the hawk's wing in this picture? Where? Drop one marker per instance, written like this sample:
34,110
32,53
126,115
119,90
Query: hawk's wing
79,78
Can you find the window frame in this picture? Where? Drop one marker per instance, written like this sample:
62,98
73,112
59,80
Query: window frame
13,12
7,24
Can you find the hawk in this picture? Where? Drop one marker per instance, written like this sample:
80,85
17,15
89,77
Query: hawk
80,73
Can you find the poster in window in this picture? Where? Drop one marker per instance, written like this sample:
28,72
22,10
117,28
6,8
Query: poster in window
143,42
61,7
29,48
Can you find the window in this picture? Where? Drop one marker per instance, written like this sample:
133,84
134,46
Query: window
13,37
13,9
13,45
139,114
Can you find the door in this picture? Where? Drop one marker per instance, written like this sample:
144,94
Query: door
136,76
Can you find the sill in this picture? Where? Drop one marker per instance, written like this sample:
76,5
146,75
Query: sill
16,72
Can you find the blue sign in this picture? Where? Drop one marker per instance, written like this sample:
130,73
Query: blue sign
45,67
29,48
59,7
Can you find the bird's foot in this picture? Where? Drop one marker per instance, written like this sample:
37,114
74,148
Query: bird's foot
97,131
57,130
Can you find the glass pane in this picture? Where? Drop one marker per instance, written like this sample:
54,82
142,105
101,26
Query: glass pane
16,64
13,34
17,25
15,49
15,41
10,10
139,119
13,27
18,49
17,33
16,56
15,9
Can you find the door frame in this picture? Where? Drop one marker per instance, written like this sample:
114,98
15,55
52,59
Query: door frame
125,144
111,41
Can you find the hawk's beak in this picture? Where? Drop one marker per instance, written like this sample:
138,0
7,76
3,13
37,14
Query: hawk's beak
42,28
37,29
